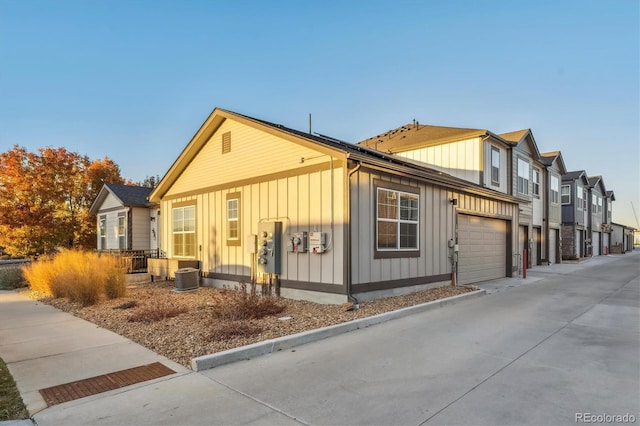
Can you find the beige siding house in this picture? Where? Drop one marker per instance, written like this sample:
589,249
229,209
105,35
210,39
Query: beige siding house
554,169
323,219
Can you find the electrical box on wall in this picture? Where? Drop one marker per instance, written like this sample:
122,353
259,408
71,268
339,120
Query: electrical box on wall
269,247
252,243
298,243
317,242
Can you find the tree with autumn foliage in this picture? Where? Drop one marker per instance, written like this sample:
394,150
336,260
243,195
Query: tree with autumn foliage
45,199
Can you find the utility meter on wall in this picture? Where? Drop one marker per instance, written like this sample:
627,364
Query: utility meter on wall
269,247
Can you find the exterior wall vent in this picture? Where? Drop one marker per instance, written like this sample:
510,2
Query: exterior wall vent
226,142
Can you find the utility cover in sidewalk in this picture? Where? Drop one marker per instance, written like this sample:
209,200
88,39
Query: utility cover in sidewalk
94,385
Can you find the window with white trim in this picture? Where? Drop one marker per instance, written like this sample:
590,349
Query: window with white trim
536,182
398,220
584,198
555,183
523,176
579,196
495,166
102,233
184,231
122,231
233,219
566,194
599,204
594,204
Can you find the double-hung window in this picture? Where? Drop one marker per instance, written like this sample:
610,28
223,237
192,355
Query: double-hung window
536,182
594,204
397,220
102,232
233,219
523,176
495,166
122,231
579,196
566,195
184,231
555,187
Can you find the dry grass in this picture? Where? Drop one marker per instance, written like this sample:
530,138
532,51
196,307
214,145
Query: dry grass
81,277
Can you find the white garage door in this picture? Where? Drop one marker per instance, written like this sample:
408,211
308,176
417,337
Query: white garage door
595,243
483,249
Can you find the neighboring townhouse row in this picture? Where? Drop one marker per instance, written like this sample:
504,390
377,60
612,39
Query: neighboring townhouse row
416,207
563,215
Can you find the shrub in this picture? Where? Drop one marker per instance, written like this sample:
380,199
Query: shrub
79,276
241,304
11,277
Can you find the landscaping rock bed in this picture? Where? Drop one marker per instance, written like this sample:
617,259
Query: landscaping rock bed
182,326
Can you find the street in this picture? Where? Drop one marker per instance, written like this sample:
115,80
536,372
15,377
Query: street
560,347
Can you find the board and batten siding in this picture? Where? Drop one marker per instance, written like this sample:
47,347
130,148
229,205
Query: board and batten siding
503,186
437,220
461,159
306,202
140,229
253,153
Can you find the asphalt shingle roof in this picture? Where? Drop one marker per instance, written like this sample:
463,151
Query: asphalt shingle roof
131,195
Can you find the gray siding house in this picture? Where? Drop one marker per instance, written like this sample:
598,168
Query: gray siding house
575,215
323,219
597,226
552,216
126,220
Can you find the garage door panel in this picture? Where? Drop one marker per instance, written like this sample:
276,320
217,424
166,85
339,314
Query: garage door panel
482,244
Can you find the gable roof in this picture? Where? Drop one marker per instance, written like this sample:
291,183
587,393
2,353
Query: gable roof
611,195
127,195
416,135
519,136
548,158
322,143
597,181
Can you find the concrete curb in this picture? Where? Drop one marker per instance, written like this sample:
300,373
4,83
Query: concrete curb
206,362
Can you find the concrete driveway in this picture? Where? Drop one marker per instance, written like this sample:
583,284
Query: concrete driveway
561,346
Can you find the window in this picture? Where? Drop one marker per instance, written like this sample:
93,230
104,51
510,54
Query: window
233,219
594,204
584,198
555,183
495,166
523,176
599,204
579,196
397,220
122,231
184,231
102,232
566,194
226,142
536,182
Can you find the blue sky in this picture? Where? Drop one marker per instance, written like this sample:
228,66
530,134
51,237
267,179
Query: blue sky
134,80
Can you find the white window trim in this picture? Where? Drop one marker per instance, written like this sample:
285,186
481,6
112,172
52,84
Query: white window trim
398,221
568,195
495,181
536,182
525,180
183,232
